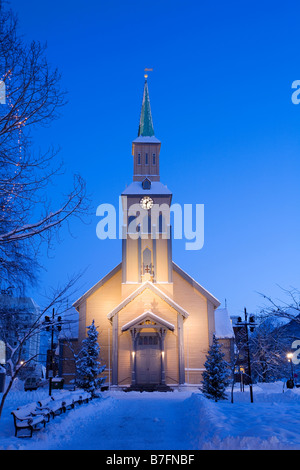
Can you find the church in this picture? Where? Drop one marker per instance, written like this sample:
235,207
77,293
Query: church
155,322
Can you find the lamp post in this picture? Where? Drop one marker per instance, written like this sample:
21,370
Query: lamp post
252,325
51,325
290,357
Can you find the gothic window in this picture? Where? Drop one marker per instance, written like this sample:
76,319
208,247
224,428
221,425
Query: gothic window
161,224
139,159
146,159
153,158
147,265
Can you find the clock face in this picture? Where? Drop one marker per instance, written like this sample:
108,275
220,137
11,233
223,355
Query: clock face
146,202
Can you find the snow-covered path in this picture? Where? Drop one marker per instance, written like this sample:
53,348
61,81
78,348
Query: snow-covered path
168,421
122,421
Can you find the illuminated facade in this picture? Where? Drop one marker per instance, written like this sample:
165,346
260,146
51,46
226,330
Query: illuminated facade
155,322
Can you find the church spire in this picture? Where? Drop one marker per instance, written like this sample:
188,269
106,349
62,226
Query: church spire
146,147
146,124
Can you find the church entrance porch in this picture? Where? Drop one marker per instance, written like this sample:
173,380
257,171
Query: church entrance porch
148,332
148,359
148,356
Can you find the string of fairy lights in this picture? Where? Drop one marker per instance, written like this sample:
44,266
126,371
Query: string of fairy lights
10,190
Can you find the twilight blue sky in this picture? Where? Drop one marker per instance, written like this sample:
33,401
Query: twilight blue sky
221,104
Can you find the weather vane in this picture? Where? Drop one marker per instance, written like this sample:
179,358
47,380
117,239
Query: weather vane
147,70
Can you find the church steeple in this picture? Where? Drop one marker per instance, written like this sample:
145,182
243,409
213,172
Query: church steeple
146,147
146,252
146,124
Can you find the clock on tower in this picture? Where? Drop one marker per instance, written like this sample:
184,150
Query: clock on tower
146,203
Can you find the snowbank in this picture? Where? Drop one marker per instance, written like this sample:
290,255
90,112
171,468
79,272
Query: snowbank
165,421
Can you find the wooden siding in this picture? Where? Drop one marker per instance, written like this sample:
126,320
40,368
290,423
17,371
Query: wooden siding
132,265
161,268
195,328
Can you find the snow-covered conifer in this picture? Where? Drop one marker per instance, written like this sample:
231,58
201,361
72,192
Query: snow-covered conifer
88,367
216,374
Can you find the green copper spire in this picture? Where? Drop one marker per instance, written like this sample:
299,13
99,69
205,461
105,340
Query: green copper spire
146,124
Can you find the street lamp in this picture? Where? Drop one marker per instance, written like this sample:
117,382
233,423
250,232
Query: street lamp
51,325
290,357
251,324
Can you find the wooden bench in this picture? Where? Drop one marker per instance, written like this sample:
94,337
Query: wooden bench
35,409
51,405
81,396
57,404
33,415
24,418
68,402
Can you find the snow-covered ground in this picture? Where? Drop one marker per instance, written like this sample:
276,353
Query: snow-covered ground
183,420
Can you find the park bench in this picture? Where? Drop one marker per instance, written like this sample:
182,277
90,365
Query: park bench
58,403
32,415
86,396
67,401
81,397
52,405
34,409
26,418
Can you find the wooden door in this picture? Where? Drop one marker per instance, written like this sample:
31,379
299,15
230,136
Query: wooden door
148,359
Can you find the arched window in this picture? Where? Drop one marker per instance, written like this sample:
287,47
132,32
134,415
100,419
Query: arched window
162,226
147,264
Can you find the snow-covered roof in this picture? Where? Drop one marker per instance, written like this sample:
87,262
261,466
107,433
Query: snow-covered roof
176,268
157,188
150,315
223,326
146,140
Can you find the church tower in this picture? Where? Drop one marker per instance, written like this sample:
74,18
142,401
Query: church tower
147,246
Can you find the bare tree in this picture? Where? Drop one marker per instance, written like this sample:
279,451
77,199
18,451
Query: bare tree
33,98
288,309
268,347
59,299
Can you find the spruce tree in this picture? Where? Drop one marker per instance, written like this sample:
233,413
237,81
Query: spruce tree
88,368
216,375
